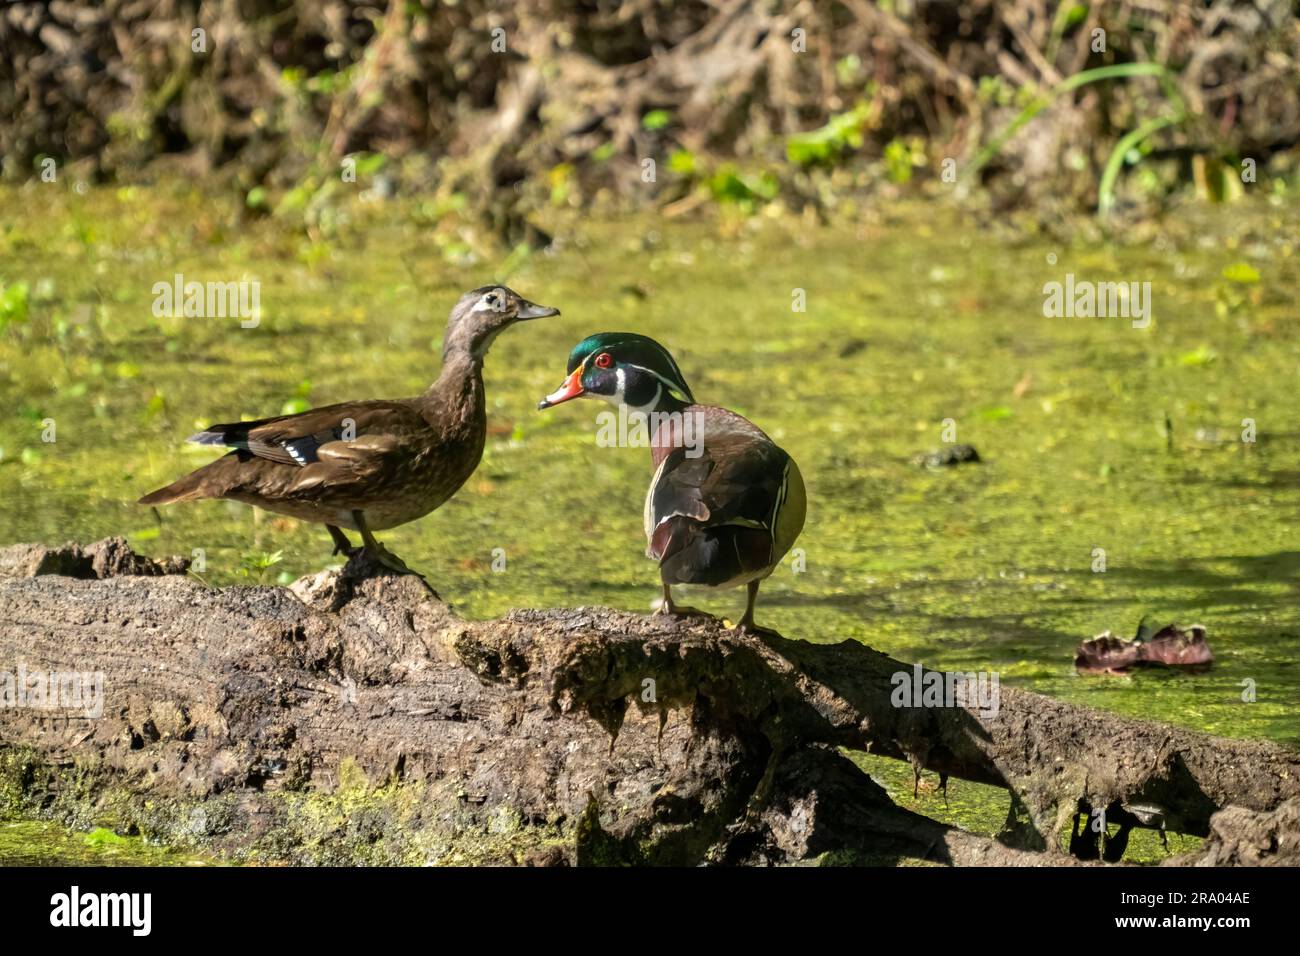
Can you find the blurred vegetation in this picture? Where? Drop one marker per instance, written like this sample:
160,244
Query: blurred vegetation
503,110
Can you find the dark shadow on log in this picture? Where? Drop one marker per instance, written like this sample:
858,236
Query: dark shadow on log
353,718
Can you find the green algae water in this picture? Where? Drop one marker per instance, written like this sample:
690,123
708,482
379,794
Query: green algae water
39,843
1114,481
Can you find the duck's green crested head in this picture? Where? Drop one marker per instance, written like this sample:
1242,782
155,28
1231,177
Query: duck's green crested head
625,369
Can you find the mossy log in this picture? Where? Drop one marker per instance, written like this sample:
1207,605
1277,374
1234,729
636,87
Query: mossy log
353,717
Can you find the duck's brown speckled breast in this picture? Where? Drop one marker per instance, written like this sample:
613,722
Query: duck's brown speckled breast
420,486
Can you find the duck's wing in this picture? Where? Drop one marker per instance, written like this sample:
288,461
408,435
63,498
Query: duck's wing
727,514
302,439
338,446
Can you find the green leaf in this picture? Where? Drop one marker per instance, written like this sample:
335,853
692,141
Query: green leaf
295,406
729,185
848,69
257,562
1242,272
13,303
824,145
369,163
1199,357
682,162
656,119
296,199
898,161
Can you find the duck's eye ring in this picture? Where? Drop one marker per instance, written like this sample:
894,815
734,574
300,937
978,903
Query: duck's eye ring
604,360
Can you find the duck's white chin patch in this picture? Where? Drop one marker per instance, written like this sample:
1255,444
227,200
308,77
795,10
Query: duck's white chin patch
620,396
482,348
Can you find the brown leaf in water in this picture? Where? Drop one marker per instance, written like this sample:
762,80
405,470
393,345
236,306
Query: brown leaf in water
1171,646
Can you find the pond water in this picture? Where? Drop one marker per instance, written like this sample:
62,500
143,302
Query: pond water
41,843
1102,444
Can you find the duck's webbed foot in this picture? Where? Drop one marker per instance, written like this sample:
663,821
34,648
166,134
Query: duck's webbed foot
746,624
389,560
380,554
749,627
670,608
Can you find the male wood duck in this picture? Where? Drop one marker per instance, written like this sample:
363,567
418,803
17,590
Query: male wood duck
725,503
367,465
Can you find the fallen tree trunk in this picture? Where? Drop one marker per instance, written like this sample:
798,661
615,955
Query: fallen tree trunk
353,718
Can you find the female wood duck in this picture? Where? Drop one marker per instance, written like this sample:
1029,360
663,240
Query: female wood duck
725,503
367,465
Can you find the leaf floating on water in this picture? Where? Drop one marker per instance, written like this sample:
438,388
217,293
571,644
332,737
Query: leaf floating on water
852,347
1199,357
995,413
1241,272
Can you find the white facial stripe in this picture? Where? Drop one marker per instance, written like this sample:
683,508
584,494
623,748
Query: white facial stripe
671,386
620,393
672,364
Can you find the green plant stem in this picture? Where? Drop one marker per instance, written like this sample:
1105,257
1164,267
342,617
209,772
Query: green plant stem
1106,189
1083,78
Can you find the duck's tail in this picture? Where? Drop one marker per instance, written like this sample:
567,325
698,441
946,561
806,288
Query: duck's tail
189,488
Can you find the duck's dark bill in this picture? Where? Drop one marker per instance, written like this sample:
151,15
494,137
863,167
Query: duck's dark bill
571,388
531,310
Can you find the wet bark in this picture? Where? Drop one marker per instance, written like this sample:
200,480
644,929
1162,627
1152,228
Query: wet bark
354,718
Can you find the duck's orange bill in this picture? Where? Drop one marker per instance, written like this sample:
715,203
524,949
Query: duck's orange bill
571,388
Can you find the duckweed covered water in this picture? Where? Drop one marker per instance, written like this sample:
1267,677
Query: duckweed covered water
1099,441
39,843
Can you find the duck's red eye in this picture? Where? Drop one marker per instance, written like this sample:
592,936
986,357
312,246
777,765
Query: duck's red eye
604,360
